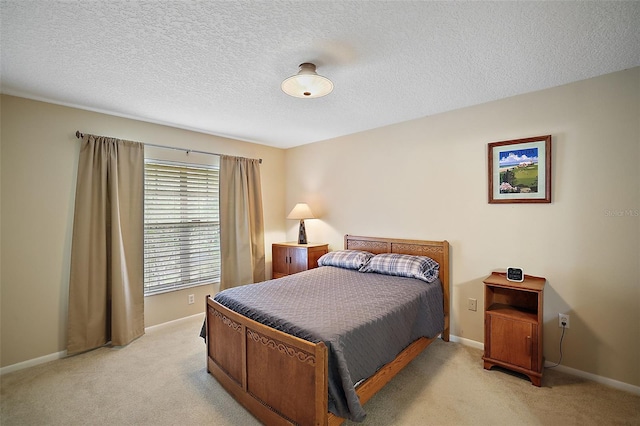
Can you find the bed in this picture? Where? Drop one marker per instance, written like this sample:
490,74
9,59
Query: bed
284,379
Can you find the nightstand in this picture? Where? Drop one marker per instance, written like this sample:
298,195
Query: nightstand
289,258
513,325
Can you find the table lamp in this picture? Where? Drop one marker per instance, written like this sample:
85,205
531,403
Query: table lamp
301,211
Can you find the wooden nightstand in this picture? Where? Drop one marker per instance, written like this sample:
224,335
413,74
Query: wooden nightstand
513,325
289,258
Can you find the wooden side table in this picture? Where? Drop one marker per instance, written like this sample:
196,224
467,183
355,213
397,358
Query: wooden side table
513,325
290,258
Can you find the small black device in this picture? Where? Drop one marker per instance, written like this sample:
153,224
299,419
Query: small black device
515,274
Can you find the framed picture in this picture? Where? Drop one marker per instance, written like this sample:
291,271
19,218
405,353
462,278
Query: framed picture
520,171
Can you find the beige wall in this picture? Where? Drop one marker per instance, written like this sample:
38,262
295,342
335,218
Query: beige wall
427,179
38,176
420,179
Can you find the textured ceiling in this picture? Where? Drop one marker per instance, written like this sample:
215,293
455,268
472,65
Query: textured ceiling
216,66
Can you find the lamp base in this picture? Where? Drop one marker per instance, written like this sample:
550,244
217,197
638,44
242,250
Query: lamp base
302,233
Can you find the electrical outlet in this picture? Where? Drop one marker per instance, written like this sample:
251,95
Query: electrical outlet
473,304
191,299
563,319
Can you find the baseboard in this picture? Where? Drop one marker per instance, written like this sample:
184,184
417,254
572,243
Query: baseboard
32,362
164,324
595,378
589,376
467,342
62,354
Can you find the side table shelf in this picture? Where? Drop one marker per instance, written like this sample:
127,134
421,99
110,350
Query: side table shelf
513,325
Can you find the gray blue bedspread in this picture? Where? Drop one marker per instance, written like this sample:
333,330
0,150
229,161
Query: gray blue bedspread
365,319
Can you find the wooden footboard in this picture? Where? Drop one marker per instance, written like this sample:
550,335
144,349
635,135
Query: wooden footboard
283,380
279,378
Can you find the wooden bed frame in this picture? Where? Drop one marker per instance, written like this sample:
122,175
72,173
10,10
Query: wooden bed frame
281,379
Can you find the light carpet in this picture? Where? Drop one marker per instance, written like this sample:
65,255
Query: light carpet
161,379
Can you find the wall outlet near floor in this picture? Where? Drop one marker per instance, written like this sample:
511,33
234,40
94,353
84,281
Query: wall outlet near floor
191,299
563,320
473,304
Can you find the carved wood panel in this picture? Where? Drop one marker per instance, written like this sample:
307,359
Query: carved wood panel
370,246
228,322
415,249
295,353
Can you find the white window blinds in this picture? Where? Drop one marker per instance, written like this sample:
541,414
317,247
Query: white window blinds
181,226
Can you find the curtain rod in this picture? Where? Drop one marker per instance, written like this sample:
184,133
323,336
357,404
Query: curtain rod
80,135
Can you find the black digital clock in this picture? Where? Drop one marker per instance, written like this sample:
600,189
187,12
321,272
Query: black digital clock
515,274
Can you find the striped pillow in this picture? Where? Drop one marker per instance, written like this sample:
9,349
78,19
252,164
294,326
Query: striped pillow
403,265
348,259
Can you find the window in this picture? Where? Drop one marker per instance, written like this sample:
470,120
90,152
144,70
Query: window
181,226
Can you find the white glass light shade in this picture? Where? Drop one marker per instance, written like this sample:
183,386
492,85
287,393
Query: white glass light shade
301,211
307,84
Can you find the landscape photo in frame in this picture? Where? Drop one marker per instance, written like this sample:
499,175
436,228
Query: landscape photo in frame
520,171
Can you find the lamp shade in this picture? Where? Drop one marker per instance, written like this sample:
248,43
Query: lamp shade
307,83
301,211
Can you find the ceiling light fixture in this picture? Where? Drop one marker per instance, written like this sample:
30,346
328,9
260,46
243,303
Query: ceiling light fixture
307,84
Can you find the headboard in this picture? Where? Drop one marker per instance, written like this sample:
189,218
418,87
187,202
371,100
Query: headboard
436,250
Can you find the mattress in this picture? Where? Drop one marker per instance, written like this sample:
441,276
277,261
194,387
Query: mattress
365,319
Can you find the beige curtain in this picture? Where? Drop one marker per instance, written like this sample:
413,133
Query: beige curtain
241,222
106,294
